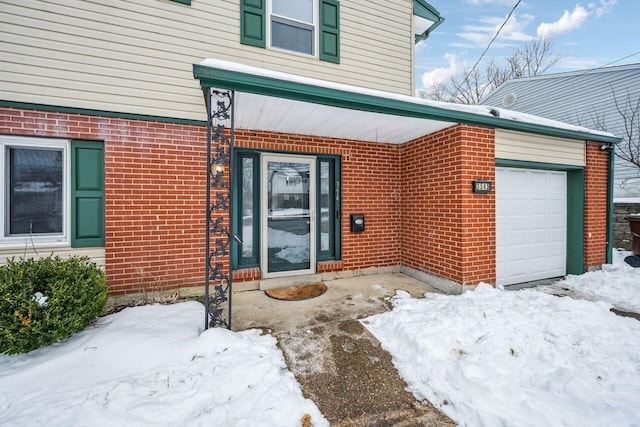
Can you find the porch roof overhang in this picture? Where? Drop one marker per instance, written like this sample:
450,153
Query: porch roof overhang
426,18
281,102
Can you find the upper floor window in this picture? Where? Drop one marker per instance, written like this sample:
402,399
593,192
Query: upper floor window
311,27
293,25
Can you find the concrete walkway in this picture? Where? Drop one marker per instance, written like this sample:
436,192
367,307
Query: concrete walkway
338,363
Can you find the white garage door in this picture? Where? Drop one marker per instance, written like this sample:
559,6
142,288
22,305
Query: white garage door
531,225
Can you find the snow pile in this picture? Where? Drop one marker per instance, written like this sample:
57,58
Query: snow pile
617,284
525,358
153,365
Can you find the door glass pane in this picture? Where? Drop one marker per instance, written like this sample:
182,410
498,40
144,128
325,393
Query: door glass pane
301,10
291,37
325,225
35,191
288,216
246,205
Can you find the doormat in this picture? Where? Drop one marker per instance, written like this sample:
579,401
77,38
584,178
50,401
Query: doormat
297,293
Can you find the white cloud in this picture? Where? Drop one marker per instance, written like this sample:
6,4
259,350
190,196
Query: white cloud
441,75
605,6
567,22
570,63
485,28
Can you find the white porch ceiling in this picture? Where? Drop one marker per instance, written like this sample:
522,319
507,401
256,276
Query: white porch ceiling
273,114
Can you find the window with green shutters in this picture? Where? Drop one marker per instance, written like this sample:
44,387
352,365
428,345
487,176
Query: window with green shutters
52,192
310,27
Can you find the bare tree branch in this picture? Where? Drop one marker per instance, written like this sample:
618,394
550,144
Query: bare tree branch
532,59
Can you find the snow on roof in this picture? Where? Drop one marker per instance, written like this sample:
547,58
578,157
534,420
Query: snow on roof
477,110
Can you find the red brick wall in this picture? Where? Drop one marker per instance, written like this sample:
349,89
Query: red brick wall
595,215
370,186
417,199
447,230
155,194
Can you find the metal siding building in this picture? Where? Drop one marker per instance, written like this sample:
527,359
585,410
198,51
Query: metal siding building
586,98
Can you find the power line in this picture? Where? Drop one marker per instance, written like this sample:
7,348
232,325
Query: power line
488,46
572,74
618,60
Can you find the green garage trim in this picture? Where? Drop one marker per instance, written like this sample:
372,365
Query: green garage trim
575,207
610,208
87,194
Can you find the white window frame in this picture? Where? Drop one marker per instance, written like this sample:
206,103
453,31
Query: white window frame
315,26
37,240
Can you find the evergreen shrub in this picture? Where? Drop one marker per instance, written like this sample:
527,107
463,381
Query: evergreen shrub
45,300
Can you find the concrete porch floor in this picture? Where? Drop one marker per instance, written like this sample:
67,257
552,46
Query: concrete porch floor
337,362
345,299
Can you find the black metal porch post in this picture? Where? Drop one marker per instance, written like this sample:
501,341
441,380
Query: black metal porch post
220,140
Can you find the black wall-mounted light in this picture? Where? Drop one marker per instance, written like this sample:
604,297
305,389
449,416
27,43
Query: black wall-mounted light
606,147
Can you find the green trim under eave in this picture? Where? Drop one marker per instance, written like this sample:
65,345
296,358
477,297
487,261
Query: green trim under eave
575,208
102,113
279,88
424,10
610,208
187,2
507,163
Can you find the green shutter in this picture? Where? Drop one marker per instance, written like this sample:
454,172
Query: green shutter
87,194
252,22
330,31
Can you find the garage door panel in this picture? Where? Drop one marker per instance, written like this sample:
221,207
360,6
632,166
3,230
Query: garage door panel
558,207
539,237
531,217
557,235
515,240
537,207
537,265
517,208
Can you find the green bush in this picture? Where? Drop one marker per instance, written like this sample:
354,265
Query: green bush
74,292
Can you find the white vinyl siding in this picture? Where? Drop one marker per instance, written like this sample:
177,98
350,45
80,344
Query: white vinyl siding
538,148
136,56
95,254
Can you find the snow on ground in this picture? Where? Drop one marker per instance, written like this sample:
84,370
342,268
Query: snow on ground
516,358
153,365
617,283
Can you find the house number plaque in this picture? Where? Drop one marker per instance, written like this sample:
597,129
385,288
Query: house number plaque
482,187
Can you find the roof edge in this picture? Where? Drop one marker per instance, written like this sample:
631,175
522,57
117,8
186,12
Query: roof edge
424,10
226,75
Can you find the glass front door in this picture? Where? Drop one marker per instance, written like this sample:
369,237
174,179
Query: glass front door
288,215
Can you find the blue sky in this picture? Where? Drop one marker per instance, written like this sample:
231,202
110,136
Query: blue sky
589,34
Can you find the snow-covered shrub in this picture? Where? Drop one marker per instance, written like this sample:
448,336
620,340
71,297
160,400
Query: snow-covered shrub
45,300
